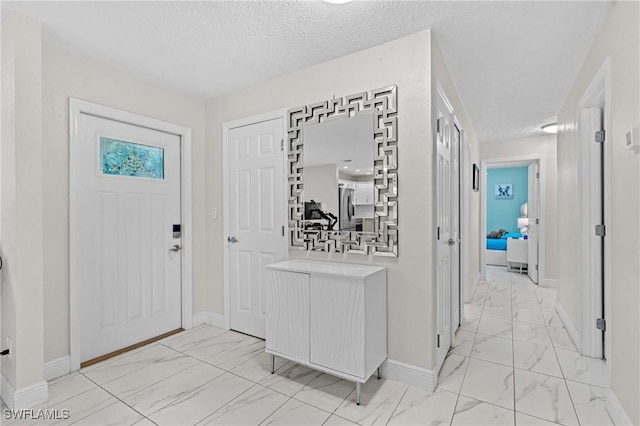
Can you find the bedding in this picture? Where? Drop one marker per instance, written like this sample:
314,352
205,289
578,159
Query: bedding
501,243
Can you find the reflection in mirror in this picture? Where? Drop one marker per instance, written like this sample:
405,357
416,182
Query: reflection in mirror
338,174
343,174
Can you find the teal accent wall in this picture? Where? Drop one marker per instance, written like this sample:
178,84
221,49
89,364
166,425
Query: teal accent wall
505,213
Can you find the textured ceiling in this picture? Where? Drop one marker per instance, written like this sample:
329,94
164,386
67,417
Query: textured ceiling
512,61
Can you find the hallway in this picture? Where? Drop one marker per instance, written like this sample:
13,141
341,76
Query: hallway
514,353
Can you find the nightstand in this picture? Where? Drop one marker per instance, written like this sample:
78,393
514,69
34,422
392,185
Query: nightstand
517,254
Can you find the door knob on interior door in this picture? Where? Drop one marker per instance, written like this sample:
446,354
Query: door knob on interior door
175,248
232,240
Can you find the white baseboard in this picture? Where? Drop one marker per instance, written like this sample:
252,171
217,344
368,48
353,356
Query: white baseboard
616,411
469,297
206,317
26,397
408,374
57,368
548,282
568,324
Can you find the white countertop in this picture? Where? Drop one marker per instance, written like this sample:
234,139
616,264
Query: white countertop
327,268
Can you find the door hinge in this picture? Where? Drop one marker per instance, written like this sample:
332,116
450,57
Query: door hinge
601,324
537,221
438,125
438,340
600,230
438,233
600,136
536,267
283,230
281,144
537,175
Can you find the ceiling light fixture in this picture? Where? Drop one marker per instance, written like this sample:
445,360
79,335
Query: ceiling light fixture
550,128
337,1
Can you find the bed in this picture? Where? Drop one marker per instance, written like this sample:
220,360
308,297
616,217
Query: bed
497,249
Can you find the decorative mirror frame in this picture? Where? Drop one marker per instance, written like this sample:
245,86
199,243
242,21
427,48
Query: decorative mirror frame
384,242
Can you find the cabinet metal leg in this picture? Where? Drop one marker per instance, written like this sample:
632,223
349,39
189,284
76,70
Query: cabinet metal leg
378,373
358,386
273,364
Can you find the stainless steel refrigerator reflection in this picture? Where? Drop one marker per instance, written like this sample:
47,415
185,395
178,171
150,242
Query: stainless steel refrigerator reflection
346,211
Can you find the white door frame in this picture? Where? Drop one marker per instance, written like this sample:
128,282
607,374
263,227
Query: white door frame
77,107
519,161
226,127
597,94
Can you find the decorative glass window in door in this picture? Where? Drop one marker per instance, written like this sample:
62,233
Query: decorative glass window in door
131,159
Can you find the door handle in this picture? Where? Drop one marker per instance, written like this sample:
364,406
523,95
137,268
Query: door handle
232,240
175,248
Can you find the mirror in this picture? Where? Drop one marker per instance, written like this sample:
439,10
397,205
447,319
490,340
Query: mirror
343,174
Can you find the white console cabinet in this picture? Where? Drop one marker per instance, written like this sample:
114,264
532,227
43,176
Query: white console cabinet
328,316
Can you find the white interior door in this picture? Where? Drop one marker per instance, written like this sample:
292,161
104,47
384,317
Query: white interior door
533,212
455,230
444,231
127,201
256,220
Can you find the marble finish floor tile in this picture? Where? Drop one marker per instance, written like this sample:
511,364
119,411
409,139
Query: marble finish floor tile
228,350
470,322
494,349
537,358
533,316
378,400
472,308
527,420
561,339
84,405
145,377
191,338
578,368
590,403
472,412
127,364
544,396
250,408
295,413
68,386
502,312
452,372
489,382
114,415
258,368
325,392
204,401
338,421
290,379
495,327
171,389
464,343
419,406
531,333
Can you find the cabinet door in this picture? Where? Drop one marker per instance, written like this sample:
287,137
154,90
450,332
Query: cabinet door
288,314
337,324
364,193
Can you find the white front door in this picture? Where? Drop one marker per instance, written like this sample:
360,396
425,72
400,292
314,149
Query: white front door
126,203
255,168
533,212
444,231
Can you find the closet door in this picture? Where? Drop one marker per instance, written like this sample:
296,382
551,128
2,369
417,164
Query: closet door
533,214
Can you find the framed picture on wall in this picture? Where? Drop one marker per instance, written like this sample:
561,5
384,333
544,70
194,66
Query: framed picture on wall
476,177
504,191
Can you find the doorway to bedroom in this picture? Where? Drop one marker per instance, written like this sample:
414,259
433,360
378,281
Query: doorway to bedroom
512,206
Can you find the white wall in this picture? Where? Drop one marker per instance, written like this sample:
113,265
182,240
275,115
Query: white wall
321,185
405,63
545,146
620,40
22,208
67,75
